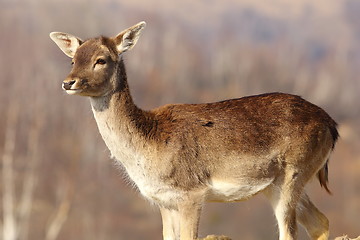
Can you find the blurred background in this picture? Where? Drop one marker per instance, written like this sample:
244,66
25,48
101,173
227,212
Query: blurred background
57,180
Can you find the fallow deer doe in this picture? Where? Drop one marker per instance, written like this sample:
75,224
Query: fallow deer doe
182,155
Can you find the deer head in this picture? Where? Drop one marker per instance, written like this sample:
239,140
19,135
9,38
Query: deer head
95,61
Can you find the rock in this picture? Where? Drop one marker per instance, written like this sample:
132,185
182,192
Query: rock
345,237
214,237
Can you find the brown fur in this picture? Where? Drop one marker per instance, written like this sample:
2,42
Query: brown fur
185,154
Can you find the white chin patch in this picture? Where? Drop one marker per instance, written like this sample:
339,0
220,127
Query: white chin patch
72,91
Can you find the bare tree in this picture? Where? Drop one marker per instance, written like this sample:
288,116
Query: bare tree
9,219
61,214
31,177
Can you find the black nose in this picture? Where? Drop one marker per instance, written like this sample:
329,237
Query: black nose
67,84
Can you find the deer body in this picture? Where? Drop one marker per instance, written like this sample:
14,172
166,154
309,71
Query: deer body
151,158
180,156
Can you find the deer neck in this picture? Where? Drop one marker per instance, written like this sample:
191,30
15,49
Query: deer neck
123,126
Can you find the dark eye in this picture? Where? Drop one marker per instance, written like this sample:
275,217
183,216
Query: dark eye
72,62
100,61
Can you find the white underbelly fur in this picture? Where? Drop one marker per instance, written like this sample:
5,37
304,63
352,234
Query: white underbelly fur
225,191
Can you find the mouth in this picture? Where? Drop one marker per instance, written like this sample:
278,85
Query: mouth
73,91
70,90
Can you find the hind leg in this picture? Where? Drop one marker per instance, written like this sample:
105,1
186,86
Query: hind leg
286,218
285,214
284,196
315,223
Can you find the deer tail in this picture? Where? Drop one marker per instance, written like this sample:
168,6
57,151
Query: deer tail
323,172
323,177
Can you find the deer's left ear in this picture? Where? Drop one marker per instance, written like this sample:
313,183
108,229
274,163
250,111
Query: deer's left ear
66,42
127,39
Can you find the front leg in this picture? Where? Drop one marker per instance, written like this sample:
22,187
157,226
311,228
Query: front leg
171,223
189,219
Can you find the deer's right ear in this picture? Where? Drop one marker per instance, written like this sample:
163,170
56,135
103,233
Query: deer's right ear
66,42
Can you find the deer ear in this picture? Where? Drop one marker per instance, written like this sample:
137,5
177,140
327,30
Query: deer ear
66,42
127,39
